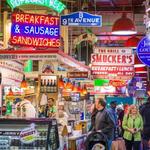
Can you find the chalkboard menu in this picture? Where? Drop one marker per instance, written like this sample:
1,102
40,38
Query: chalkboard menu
36,134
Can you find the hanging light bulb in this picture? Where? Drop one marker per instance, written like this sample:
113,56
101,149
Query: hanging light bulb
61,82
68,85
79,88
74,88
84,90
24,83
10,93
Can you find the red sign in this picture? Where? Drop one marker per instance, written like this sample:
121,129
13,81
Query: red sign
77,74
118,83
112,59
117,64
35,30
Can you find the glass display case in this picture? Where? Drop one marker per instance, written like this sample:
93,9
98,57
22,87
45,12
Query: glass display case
29,134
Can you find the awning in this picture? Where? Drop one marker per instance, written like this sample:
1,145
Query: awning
54,55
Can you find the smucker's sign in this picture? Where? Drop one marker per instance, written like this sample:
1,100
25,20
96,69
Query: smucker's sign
112,63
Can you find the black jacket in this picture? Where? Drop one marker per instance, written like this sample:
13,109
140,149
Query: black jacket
145,112
104,123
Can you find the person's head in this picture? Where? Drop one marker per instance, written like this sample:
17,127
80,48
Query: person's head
100,103
50,102
113,104
133,110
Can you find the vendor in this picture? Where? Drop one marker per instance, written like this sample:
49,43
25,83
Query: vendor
50,110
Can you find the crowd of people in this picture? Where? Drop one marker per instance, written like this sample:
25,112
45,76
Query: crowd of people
131,123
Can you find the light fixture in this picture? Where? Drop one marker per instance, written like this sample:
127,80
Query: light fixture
74,88
132,42
23,83
84,90
10,93
68,85
123,26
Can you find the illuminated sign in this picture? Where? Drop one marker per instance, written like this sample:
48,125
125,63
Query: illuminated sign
112,63
35,30
81,19
53,4
143,50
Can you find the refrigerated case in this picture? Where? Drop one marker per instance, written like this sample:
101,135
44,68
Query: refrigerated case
29,134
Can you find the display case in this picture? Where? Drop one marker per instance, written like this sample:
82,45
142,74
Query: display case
29,134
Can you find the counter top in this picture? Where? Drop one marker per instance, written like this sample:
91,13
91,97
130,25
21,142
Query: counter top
25,120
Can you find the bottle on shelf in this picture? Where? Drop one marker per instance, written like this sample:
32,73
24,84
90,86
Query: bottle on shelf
48,86
55,86
51,86
44,85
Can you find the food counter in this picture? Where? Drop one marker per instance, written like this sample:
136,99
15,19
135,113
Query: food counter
33,134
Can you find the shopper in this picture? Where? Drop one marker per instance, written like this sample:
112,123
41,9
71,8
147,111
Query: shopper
145,112
93,115
132,125
103,121
50,110
113,114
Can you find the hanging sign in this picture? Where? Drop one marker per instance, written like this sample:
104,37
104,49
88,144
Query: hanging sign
112,64
143,50
118,83
53,4
77,74
81,19
35,30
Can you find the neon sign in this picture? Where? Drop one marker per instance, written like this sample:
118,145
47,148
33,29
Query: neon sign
53,4
35,30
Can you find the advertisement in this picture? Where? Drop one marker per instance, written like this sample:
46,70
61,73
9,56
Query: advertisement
35,30
112,63
143,50
81,19
28,135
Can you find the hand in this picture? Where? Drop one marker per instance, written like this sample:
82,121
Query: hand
131,130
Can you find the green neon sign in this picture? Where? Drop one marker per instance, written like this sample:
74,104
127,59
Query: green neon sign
53,4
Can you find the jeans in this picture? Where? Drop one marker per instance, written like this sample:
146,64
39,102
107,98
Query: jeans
109,144
132,145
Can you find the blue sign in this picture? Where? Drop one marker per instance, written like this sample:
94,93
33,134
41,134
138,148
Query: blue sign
81,19
143,50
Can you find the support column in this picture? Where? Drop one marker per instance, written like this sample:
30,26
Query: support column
64,34
5,33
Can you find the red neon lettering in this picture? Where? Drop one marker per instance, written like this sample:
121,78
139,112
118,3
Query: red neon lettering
42,42
36,19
